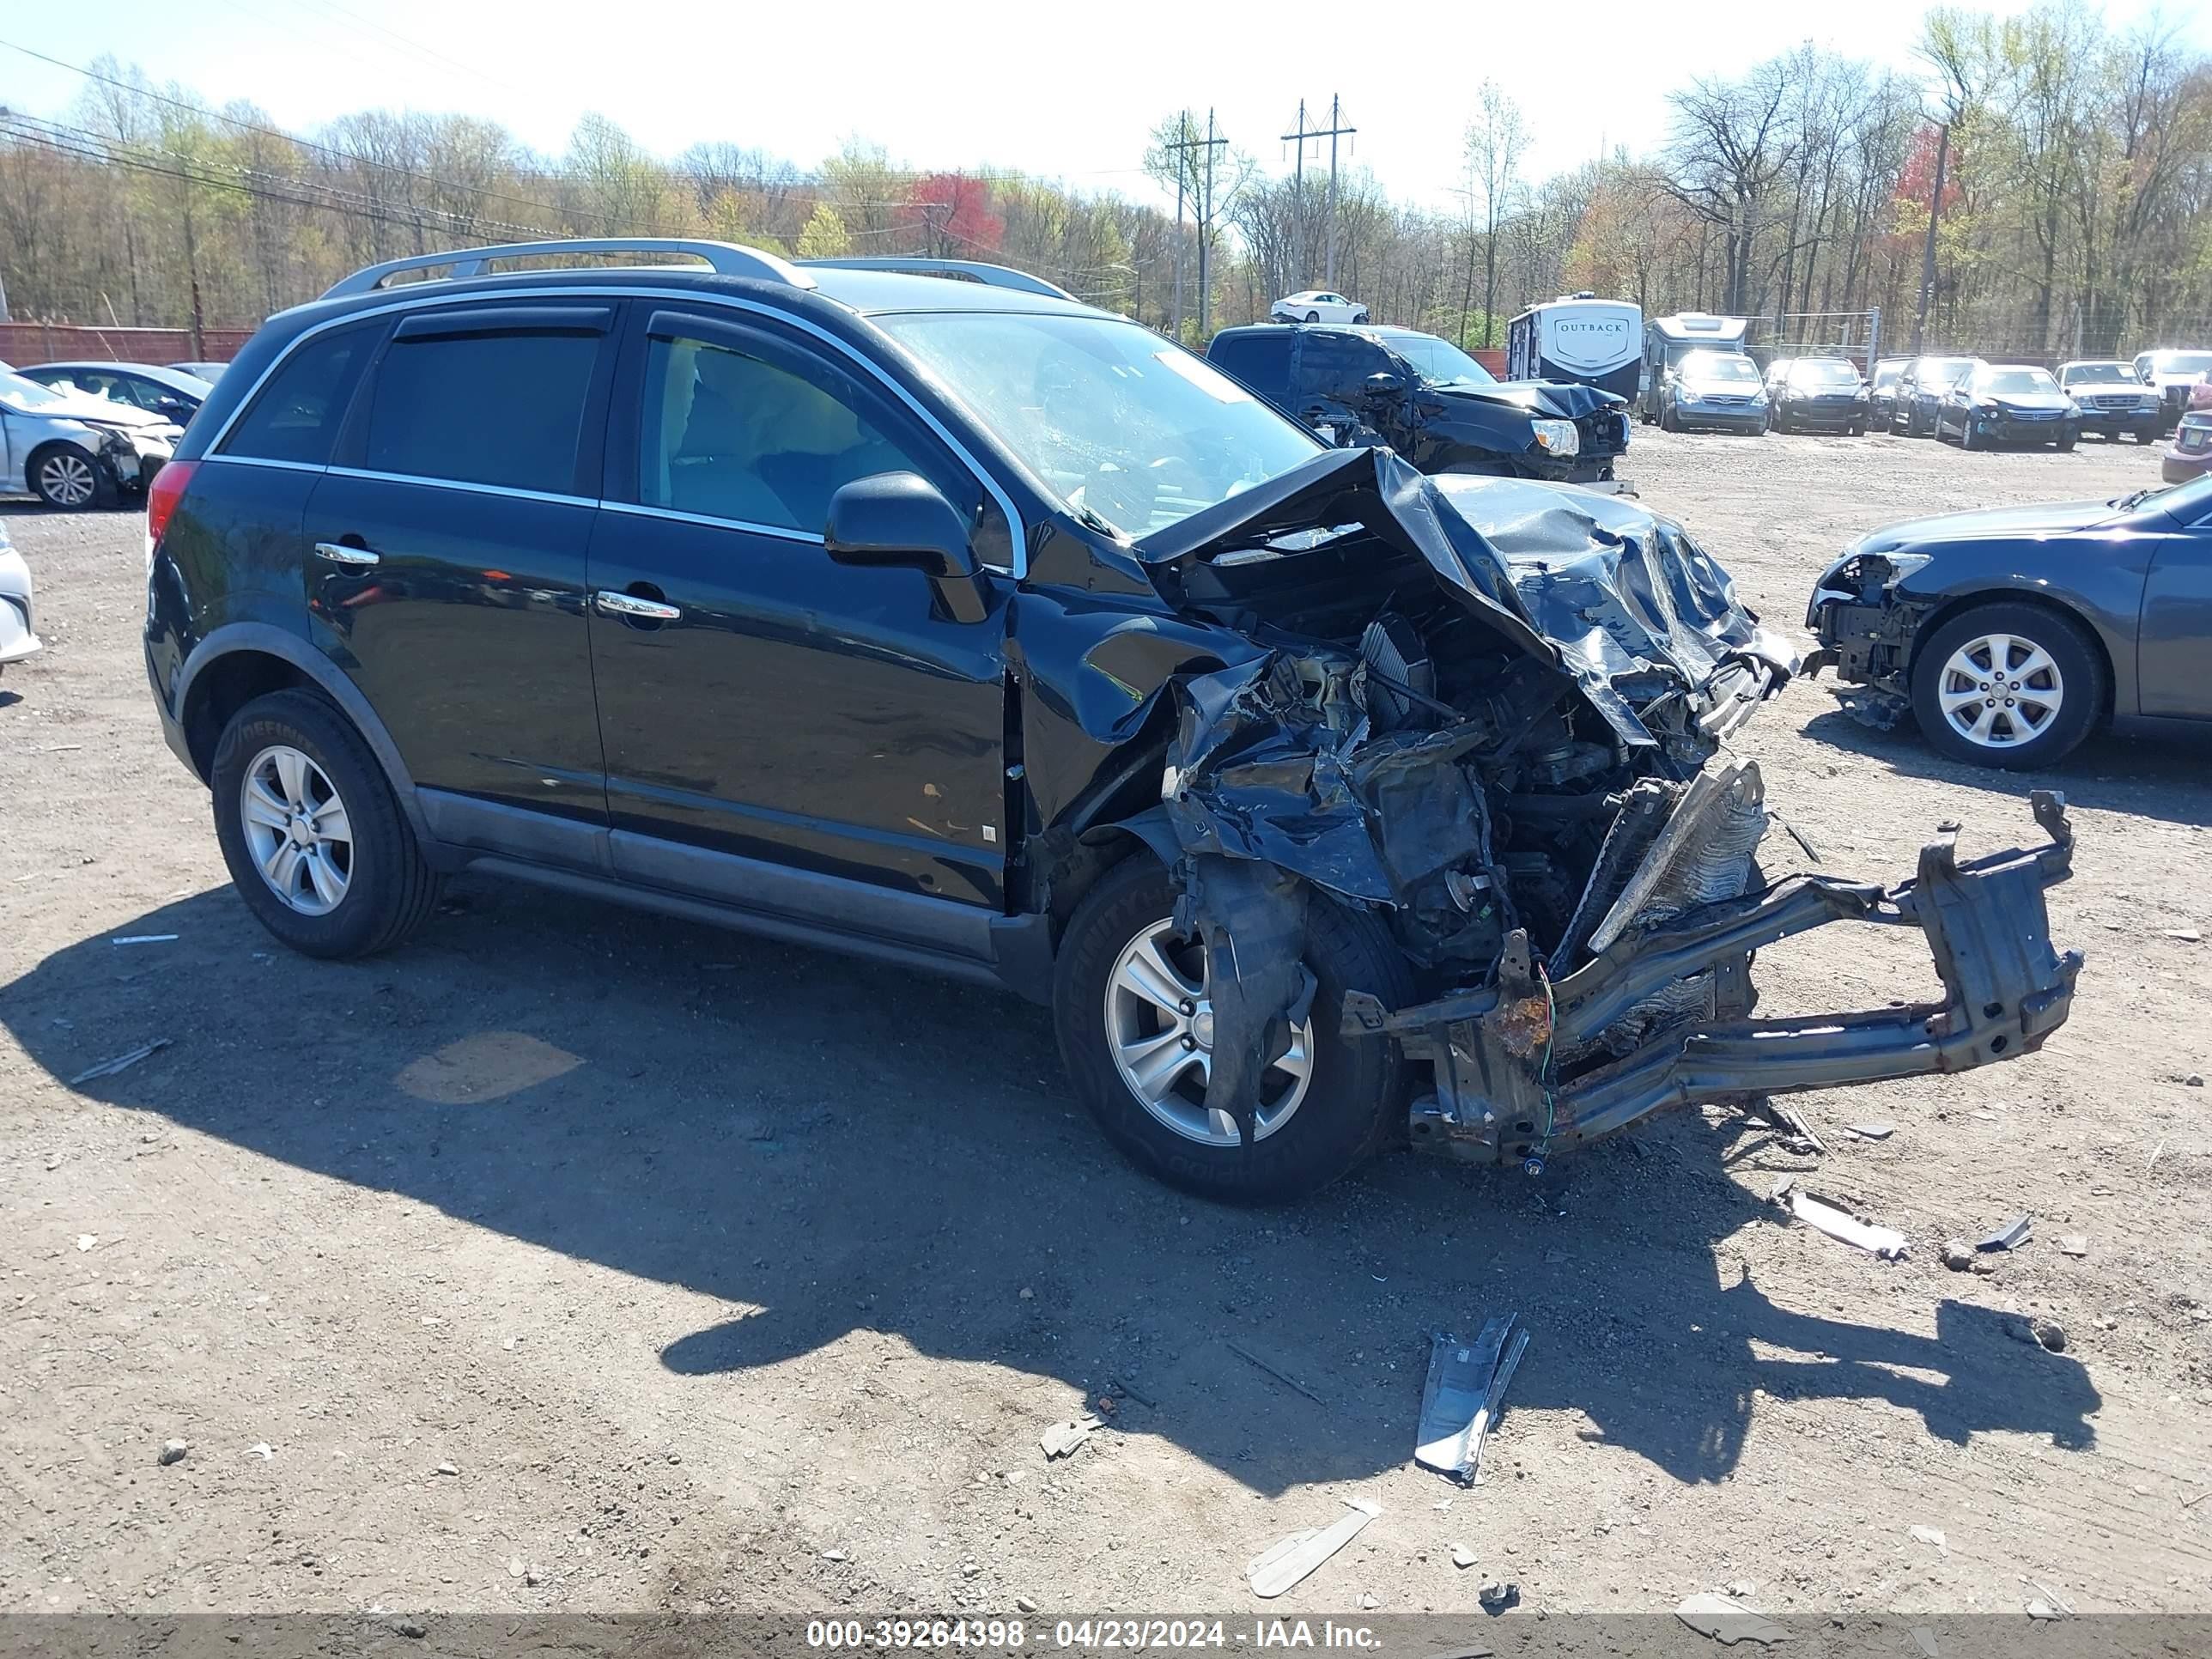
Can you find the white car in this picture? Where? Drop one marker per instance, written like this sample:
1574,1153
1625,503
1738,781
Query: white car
1318,305
75,452
18,637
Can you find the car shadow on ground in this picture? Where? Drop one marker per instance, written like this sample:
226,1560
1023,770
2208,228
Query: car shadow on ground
832,1146
2154,777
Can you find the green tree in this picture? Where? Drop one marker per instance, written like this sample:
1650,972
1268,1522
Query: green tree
823,236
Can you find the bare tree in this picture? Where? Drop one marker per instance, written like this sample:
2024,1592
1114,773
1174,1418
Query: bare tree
1497,140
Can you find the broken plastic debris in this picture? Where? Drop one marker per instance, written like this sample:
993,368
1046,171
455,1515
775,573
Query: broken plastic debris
1839,1224
1872,1131
2010,1236
1931,1535
1061,1439
86,1241
1466,1391
1728,1622
2074,1244
1282,1565
1924,1640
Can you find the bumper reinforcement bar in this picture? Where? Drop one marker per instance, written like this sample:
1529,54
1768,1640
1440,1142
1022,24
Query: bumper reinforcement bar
1490,1050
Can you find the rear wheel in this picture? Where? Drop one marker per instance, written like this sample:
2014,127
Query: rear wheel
317,846
2007,684
1313,316
2063,444
1134,1017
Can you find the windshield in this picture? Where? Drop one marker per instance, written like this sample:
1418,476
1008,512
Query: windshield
2016,381
26,394
1719,369
1120,423
1828,372
1439,362
1888,374
2181,363
2099,374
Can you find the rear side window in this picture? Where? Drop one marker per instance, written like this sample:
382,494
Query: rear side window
296,416
1260,362
485,409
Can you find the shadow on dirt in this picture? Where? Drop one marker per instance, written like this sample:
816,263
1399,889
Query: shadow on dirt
831,1146
2161,777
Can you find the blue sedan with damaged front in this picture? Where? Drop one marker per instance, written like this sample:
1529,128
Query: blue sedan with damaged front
2009,636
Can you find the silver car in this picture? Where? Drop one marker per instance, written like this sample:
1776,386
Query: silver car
19,633
75,452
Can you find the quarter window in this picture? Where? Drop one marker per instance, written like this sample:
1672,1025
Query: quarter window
296,416
728,434
485,409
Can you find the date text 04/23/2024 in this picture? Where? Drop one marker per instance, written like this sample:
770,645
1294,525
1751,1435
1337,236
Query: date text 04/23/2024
1081,1635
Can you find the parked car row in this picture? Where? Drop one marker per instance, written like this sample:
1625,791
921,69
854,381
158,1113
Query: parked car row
74,450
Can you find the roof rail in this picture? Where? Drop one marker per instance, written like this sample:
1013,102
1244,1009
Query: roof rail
724,259
974,271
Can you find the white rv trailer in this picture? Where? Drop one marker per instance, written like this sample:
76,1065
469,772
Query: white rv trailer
1577,337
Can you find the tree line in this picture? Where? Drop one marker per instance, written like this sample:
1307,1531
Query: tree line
2068,167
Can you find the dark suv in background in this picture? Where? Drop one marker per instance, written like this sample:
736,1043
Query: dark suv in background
923,612
1427,399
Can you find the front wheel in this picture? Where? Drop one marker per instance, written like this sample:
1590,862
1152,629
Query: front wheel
68,479
1966,434
2007,684
2064,446
1132,1007
317,846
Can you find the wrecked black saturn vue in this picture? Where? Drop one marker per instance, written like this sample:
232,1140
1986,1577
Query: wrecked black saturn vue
958,623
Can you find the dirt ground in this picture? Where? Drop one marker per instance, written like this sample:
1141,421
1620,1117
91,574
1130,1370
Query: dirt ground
575,1259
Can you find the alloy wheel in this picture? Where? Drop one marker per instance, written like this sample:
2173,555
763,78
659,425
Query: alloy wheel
296,830
66,478
1999,691
1159,1030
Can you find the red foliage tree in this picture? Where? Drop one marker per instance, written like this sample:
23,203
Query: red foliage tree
950,214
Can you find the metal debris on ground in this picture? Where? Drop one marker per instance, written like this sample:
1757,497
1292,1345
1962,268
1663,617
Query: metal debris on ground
145,938
1841,1225
121,1063
2010,1236
1061,1439
1275,1371
1463,1557
2186,935
1497,1594
1931,1535
1924,1642
1872,1131
2074,1244
1464,1394
2049,1595
1728,1621
1282,1565
86,1241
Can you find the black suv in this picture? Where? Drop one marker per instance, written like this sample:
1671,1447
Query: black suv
1427,399
925,612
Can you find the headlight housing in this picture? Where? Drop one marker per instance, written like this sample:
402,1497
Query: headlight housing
1557,437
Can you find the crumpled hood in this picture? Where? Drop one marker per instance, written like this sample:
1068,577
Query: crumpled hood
1554,400
1592,583
82,406
2041,519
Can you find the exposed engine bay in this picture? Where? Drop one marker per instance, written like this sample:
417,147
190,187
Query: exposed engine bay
1493,714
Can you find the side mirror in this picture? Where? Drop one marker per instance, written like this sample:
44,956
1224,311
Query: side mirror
1385,383
174,409
901,520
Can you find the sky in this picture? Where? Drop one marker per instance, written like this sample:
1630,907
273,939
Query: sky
1061,91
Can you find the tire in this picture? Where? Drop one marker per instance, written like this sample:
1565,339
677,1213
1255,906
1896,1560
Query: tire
1313,316
68,480
1858,429
1668,421
389,890
2064,446
1966,434
2078,676
1354,1092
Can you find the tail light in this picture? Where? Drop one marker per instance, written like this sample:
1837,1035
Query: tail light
162,498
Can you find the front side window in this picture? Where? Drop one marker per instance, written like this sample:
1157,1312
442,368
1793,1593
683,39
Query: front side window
1439,362
296,416
1113,420
1337,365
763,438
483,409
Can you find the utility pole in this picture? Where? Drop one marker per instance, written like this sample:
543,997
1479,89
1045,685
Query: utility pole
1299,200
1185,172
1336,126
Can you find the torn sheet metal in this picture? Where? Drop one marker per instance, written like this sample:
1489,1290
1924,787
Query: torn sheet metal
1592,583
1464,1394
1728,1621
1275,1569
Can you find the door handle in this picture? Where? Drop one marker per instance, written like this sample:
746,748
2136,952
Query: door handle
339,553
633,608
